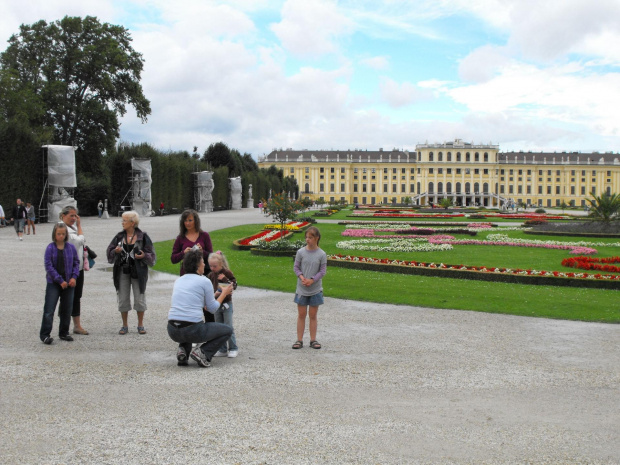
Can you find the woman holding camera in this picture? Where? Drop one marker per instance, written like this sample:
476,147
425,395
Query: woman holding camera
190,235
132,253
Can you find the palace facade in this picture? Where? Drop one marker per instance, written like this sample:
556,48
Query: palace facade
469,174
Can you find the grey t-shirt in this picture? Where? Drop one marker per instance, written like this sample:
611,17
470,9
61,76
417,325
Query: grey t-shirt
311,264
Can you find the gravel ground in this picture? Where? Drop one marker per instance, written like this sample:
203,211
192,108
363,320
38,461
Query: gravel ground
392,384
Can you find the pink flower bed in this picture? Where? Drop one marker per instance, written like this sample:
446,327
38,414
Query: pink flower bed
570,248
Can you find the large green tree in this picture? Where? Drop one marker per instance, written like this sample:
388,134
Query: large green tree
83,74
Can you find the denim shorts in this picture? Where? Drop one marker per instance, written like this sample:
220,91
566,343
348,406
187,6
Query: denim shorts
311,300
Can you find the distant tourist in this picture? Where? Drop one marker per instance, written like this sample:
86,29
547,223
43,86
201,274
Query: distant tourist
161,209
2,218
19,219
30,219
310,267
100,208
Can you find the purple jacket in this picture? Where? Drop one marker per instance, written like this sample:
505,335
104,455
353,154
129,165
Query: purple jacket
72,263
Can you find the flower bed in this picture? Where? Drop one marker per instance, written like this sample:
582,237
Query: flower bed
267,235
536,277
589,263
294,226
402,214
523,216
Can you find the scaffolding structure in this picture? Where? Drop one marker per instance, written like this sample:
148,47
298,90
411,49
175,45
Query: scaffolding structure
235,193
59,181
203,187
138,197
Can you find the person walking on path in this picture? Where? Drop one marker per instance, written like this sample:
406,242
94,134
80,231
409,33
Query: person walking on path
100,208
221,277
62,268
69,216
310,267
2,218
131,251
30,218
192,293
19,219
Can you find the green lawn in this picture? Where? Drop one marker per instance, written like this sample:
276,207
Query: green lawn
276,273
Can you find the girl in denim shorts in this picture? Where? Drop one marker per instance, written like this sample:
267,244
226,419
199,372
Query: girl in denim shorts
310,267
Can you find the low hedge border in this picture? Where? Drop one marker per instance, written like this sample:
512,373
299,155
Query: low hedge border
273,253
238,246
477,275
573,234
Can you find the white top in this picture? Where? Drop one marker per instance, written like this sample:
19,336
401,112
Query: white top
78,242
190,294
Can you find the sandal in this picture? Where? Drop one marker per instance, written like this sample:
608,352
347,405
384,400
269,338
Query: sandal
298,345
315,344
124,330
141,330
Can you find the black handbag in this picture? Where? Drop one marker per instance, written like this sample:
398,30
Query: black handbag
92,255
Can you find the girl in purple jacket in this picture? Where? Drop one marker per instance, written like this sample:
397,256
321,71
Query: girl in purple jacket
63,268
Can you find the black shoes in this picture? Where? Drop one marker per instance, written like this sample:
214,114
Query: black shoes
48,340
66,338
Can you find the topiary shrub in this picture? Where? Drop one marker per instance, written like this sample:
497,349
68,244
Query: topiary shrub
540,210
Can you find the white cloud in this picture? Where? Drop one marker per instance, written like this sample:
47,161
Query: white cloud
376,62
483,63
312,27
399,95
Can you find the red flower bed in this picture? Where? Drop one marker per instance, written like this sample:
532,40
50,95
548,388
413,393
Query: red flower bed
481,269
590,263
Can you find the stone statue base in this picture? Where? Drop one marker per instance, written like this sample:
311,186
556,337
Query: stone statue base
250,203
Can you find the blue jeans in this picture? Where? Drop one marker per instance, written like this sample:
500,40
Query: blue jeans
53,293
226,317
212,335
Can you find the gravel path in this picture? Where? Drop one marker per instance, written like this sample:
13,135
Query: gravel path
392,384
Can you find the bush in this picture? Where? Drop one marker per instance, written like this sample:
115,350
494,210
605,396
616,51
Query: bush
534,222
540,210
475,216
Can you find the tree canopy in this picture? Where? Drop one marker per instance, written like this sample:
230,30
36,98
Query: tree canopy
80,73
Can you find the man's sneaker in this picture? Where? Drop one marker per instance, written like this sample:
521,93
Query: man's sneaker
48,340
220,353
233,353
182,357
199,356
66,338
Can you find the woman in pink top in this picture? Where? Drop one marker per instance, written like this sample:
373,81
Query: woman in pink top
191,235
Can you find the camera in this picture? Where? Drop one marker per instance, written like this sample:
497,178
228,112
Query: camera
136,250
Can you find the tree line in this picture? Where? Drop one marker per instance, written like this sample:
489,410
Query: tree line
67,83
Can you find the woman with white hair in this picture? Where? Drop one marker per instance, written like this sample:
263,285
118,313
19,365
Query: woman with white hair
132,253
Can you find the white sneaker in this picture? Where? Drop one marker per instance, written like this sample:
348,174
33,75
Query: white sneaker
219,353
233,353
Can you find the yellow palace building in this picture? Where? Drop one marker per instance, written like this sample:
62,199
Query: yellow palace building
469,174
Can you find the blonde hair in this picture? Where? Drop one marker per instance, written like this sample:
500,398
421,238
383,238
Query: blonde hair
132,216
219,256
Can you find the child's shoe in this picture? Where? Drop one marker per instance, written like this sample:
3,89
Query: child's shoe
220,353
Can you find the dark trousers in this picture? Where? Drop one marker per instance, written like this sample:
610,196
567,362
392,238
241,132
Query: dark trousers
53,293
212,335
77,295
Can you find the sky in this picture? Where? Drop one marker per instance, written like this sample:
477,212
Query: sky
261,75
